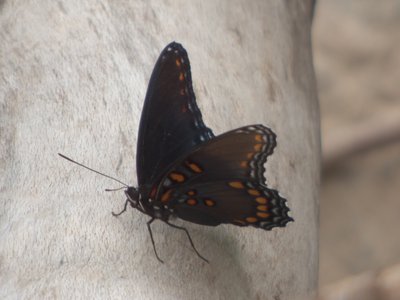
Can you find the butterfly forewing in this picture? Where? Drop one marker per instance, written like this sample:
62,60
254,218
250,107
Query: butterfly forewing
171,123
222,181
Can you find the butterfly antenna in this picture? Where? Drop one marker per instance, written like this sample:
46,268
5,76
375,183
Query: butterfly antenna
79,164
117,189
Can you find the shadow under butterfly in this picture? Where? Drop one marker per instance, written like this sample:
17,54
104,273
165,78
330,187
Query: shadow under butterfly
185,171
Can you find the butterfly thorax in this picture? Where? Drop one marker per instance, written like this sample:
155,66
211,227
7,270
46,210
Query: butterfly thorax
144,201
157,209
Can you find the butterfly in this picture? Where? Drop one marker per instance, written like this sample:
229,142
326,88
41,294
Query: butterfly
185,171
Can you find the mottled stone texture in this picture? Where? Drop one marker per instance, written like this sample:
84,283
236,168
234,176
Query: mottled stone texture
73,76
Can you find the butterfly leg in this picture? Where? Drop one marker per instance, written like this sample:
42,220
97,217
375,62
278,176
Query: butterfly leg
190,239
122,211
152,240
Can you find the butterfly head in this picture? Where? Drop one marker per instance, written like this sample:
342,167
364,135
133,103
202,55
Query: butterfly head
133,195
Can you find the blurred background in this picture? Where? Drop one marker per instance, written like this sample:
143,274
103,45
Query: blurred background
357,61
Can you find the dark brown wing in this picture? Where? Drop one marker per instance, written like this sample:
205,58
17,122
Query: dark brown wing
171,123
222,181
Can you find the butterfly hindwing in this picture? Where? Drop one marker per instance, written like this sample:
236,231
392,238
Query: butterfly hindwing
246,204
171,123
222,181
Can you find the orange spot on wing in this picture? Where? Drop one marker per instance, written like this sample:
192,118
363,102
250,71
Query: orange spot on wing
250,155
262,207
209,202
166,196
253,192
258,138
191,192
194,167
261,200
177,177
236,184
178,62
243,164
251,219
257,147
181,76
191,202
263,214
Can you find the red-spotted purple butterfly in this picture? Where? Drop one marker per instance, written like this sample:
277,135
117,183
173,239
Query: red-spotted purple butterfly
185,171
